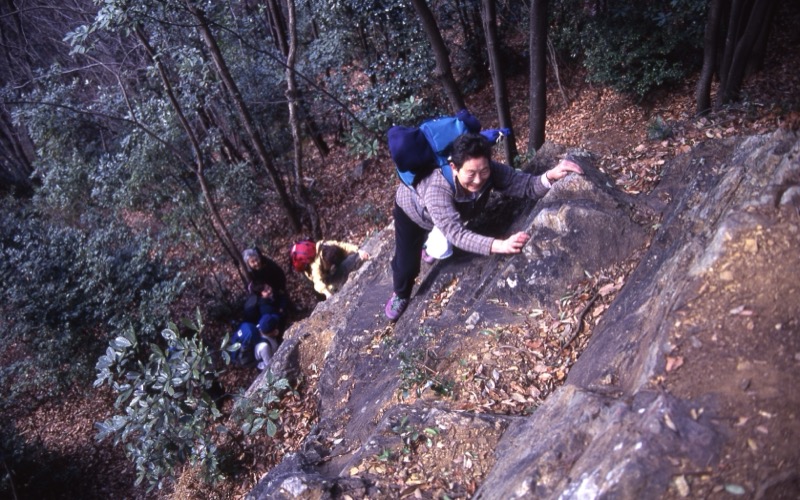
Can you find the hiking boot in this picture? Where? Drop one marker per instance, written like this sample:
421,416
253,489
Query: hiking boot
427,258
395,307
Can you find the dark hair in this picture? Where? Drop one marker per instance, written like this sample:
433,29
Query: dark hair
332,256
469,146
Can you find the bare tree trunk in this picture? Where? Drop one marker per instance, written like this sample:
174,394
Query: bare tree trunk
294,121
16,163
444,71
313,130
752,22
277,26
758,54
498,78
219,226
228,148
244,113
731,37
538,73
469,18
710,49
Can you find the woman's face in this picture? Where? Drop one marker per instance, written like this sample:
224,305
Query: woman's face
473,174
253,262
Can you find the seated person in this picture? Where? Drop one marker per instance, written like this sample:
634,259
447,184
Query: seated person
257,305
267,281
267,341
327,263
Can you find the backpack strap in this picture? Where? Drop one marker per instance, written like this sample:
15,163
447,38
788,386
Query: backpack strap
417,151
447,172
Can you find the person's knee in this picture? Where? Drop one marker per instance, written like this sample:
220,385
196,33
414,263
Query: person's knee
437,245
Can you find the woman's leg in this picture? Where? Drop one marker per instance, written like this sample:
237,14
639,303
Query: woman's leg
408,241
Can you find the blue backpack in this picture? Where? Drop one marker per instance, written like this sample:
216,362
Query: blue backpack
246,335
418,151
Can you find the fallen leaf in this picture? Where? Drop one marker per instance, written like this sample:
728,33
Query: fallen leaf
669,423
741,311
608,288
734,489
674,362
518,397
682,486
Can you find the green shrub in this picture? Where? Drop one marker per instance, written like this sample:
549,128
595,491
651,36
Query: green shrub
168,404
65,289
260,410
658,129
635,48
170,415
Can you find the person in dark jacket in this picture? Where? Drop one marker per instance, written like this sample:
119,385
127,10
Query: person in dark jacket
434,202
267,286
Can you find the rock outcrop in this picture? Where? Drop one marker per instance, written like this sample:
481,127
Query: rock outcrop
674,381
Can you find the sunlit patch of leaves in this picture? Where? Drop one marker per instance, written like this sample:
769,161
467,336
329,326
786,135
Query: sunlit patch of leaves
417,375
511,369
402,464
439,300
423,459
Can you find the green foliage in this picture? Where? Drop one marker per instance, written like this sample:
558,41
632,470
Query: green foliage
356,49
365,144
412,437
261,409
416,375
361,144
170,416
658,129
168,407
64,287
635,48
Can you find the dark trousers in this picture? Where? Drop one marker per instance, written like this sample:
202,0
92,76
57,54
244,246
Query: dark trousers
408,241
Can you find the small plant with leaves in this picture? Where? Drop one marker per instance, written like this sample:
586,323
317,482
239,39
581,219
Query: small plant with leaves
168,406
416,375
412,437
361,144
261,409
658,129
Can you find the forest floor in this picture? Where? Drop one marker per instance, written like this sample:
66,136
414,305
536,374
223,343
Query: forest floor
632,142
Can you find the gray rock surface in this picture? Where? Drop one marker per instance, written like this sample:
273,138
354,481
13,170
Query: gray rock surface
616,427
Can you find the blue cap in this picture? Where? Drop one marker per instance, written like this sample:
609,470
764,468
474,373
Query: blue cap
268,322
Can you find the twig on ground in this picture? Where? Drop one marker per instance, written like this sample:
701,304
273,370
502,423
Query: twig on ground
579,326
